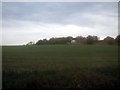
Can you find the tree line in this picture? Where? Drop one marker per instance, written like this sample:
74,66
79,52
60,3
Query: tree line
78,40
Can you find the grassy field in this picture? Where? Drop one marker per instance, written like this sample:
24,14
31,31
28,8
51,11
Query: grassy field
60,66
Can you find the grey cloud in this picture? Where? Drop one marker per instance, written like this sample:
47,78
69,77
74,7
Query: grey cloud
18,17
52,12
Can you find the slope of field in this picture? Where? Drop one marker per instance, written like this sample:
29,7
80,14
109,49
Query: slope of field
67,66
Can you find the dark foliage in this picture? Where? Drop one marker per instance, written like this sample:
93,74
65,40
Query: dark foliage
109,40
62,40
92,39
117,39
67,40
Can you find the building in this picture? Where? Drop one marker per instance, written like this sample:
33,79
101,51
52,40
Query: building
73,41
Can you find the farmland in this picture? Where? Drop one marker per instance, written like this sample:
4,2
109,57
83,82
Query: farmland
60,66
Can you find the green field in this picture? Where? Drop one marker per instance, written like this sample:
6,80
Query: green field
55,66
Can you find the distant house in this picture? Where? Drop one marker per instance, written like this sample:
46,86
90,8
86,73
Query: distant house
81,40
73,41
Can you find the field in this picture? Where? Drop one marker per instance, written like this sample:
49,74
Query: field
60,66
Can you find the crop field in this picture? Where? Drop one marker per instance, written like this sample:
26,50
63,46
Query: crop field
60,66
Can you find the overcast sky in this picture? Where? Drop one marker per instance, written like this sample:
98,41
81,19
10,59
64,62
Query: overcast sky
28,21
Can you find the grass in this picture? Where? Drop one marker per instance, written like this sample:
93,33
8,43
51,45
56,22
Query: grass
55,66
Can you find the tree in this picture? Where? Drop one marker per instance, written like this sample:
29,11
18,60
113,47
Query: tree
69,38
117,39
90,39
30,43
109,40
95,38
39,42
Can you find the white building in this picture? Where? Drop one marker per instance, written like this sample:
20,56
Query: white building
73,41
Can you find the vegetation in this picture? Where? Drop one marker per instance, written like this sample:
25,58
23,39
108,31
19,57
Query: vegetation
109,40
79,40
117,39
91,39
61,40
60,66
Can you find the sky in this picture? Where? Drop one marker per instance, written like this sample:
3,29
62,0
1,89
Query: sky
31,21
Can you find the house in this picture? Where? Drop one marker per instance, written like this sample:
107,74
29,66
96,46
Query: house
73,41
